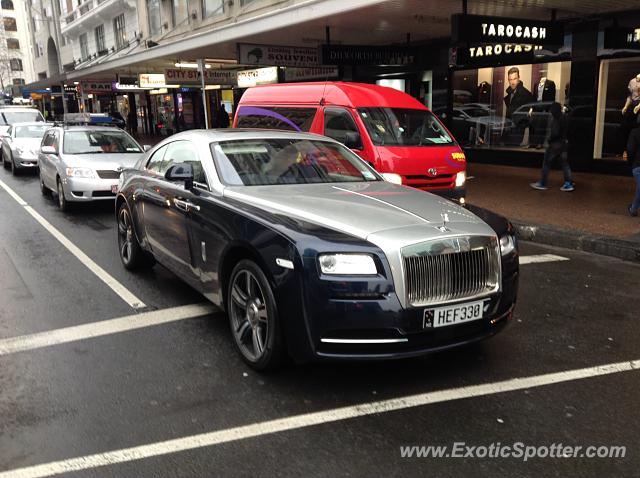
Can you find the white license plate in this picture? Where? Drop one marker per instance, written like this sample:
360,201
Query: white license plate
114,189
453,314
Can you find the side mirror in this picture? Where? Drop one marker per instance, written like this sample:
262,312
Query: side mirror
181,172
48,150
352,140
146,147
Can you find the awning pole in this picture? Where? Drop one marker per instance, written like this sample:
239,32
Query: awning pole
201,68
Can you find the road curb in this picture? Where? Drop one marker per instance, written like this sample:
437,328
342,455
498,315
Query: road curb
581,241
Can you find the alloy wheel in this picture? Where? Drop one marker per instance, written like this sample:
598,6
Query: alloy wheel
125,235
249,315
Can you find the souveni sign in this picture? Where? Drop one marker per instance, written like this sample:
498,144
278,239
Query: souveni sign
274,55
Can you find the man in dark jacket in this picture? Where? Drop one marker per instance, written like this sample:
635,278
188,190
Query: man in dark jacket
633,156
222,117
517,95
557,139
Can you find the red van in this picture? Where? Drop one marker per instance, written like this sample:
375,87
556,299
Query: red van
391,130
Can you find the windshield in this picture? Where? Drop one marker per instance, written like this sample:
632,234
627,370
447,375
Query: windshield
262,162
96,142
31,131
11,117
404,127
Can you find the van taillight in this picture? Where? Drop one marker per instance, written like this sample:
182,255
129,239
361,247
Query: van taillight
458,156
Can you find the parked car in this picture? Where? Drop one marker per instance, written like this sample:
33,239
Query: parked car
473,124
18,114
311,252
83,163
20,145
391,130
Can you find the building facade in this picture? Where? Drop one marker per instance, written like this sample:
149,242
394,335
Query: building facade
16,61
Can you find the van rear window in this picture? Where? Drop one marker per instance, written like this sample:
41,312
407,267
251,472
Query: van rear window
281,118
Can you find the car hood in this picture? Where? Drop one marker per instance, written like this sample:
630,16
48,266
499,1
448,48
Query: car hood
102,161
366,210
32,144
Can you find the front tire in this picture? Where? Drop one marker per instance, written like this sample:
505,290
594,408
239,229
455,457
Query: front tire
132,255
62,201
12,165
253,317
43,189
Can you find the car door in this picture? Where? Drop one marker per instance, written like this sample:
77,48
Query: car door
45,161
5,142
165,210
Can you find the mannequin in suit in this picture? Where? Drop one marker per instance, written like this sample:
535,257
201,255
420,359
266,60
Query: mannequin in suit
544,91
484,92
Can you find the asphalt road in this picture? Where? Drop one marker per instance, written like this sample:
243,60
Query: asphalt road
182,379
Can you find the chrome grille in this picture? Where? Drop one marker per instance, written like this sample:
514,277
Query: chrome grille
108,174
442,277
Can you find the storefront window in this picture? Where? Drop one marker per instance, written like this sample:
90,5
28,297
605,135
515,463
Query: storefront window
507,107
618,106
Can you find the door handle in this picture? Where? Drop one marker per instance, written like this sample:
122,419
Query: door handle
185,206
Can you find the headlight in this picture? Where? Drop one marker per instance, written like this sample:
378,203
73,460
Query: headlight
392,178
461,178
79,173
507,244
347,264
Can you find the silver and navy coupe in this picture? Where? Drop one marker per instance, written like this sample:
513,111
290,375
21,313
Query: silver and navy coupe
311,252
83,163
20,145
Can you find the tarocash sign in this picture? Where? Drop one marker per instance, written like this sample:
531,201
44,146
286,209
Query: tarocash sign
479,29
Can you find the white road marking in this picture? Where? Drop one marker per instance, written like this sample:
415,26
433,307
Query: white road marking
310,419
105,327
103,275
538,258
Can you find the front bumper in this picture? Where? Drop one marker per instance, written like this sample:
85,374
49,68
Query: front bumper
380,328
89,189
25,161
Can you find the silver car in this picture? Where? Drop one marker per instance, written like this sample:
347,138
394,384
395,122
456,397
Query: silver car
20,144
83,163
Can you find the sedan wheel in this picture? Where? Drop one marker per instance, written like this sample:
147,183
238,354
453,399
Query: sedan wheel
132,255
43,189
253,317
62,201
12,165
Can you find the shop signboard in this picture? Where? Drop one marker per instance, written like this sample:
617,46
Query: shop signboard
483,30
259,76
189,76
500,54
622,38
274,55
151,80
307,74
367,55
96,86
127,83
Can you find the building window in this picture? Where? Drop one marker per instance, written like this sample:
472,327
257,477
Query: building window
13,44
18,81
119,31
180,12
246,2
100,46
10,24
212,7
153,10
7,5
507,107
84,47
16,64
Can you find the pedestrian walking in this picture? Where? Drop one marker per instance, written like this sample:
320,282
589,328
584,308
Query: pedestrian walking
222,117
556,149
633,156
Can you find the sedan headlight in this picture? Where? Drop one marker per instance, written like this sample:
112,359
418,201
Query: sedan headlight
461,178
347,264
507,244
79,173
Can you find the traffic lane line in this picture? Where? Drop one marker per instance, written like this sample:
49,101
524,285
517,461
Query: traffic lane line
541,258
296,422
103,275
123,324
105,327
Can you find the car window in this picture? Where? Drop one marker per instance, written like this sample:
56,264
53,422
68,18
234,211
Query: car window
337,123
29,131
180,152
10,117
48,139
289,119
156,162
99,142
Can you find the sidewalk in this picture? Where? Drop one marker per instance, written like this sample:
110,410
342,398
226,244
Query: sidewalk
594,217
